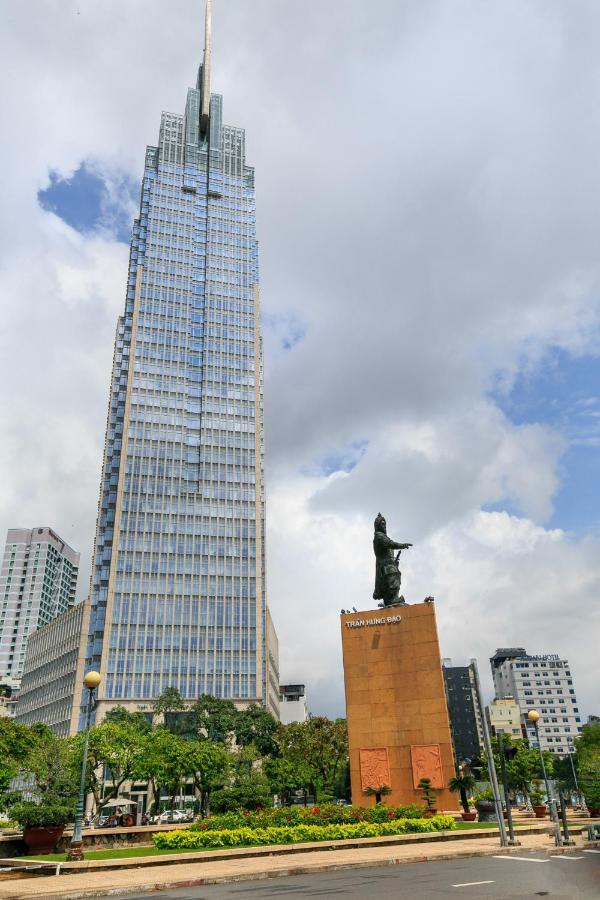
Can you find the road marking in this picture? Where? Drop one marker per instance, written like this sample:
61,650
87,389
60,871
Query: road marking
591,851
472,883
522,858
566,857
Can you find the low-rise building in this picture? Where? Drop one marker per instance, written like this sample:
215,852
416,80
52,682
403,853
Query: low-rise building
292,704
7,707
503,714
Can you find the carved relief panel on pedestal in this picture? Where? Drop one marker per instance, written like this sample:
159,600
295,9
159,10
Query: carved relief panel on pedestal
427,763
374,768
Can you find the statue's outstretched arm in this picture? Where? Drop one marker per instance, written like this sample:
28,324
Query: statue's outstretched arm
396,546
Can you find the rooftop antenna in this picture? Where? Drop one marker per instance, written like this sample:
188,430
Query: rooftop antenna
204,112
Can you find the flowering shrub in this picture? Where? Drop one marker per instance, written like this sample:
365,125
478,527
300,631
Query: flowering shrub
329,814
295,834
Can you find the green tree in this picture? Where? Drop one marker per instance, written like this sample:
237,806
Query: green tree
563,773
249,788
209,765
249,793
286,777
176,716
169,701
463,784
525,767
162,760
254,725
119,715
589,776
16,743
113,753
215,718
589,739
321,746
428,792
50,774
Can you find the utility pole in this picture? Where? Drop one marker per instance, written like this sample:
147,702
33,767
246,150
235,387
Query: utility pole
503,754
490,759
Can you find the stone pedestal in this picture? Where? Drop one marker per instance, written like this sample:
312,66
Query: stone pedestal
398,726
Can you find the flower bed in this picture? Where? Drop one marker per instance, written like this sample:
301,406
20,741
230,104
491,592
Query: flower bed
296,834
329,814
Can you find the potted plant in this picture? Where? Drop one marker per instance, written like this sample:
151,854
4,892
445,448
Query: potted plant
43,823
537,801
428,793
48,797
485,805
462,784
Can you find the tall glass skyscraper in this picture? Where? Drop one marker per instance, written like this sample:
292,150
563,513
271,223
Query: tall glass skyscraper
178,584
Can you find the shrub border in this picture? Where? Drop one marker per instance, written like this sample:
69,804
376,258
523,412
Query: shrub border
297,834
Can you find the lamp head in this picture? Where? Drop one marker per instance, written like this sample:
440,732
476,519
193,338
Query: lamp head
92,680
533,716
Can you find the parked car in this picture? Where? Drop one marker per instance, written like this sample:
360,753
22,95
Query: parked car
175,815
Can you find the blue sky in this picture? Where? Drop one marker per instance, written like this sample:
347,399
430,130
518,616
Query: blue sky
564,392
88,201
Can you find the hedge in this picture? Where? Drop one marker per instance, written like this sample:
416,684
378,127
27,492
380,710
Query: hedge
328,814
296,834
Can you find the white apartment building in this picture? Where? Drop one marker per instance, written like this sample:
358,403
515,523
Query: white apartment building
544,683
37,583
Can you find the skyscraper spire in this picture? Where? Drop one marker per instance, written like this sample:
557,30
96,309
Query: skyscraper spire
205,110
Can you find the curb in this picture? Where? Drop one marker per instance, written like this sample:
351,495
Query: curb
173,884
270,850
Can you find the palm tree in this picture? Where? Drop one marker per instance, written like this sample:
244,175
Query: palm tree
462,784
378,792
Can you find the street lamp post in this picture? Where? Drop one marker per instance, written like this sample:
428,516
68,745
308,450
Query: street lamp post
91,681
533,716
502,753
490,758
577,791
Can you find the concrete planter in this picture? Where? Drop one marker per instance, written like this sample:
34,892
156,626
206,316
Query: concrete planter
540,811
486,810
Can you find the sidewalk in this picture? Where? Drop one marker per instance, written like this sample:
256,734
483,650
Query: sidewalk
184,874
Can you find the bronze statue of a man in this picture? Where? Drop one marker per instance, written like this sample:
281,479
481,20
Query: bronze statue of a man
387,570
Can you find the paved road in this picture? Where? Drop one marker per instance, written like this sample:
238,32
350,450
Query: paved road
483,878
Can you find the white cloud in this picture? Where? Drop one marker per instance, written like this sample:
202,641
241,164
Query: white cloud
427,188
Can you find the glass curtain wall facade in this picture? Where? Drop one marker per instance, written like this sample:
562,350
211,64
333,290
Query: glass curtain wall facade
178,584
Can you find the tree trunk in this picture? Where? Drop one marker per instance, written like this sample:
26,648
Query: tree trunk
464,799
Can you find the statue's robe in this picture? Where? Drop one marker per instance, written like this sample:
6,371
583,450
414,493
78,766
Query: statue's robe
387,573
